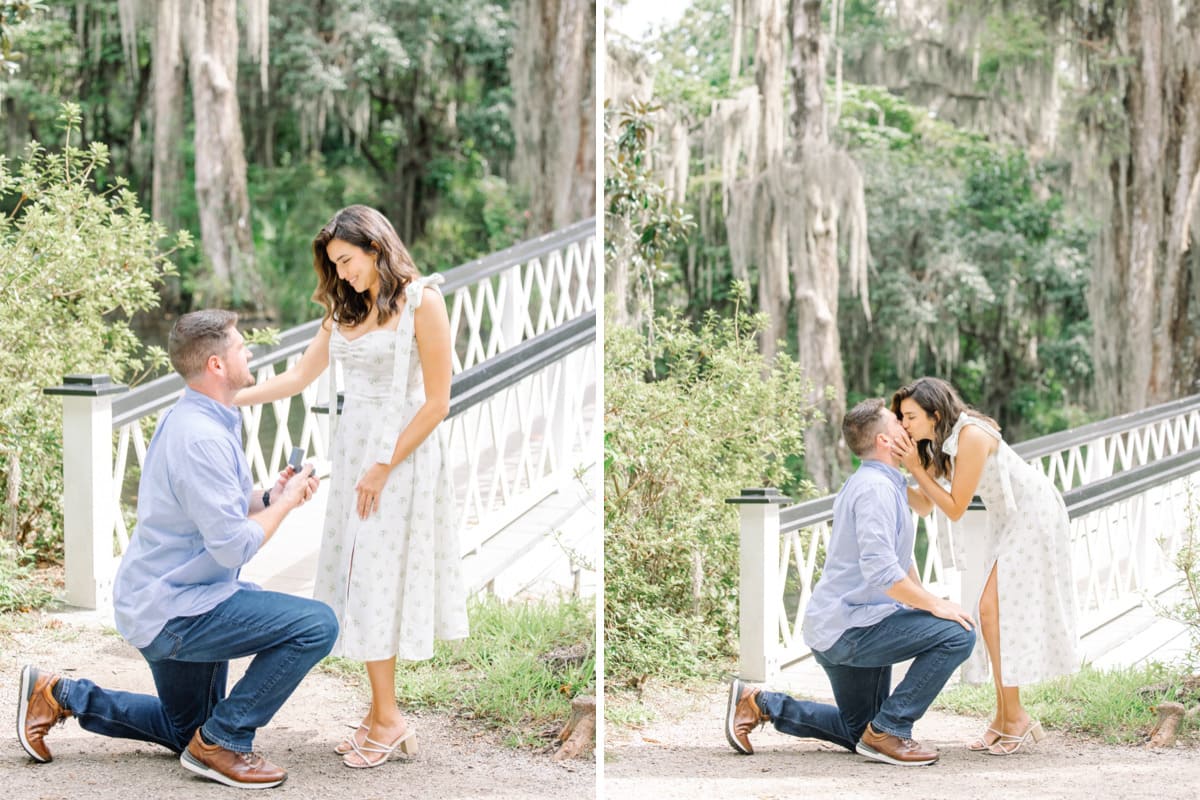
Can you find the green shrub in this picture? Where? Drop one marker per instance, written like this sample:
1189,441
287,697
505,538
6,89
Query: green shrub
690,421
78,260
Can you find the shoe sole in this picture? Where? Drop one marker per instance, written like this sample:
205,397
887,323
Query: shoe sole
190,763
28,679
870,752
735,692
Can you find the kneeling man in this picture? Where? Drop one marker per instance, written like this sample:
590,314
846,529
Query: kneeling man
868,612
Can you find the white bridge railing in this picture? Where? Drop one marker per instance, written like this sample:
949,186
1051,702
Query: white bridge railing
1126,482
523,416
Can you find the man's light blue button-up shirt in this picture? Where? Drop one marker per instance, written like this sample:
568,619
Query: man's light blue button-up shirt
193,535
870,549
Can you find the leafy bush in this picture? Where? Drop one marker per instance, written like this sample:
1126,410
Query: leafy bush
77,261
690,421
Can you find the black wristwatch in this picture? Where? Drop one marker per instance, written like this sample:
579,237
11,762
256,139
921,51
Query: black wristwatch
266,498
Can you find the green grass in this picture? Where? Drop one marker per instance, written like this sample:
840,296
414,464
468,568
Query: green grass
624,709
496,676
20,586
1106,705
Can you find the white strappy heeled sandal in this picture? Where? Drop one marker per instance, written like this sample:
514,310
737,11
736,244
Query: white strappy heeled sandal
406,743
1009,744
347,744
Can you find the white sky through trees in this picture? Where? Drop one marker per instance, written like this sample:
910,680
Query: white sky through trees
635,18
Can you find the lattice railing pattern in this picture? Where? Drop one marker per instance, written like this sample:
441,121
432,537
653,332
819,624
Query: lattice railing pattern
522,442
1125,551
1081,464
523,299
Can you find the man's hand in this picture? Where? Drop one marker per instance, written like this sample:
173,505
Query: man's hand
952,611
280,482
298,488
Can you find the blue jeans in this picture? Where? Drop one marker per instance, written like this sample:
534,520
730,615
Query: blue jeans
190,662
859,666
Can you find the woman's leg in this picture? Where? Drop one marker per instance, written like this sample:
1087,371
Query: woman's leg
1011,717
989,626
384,719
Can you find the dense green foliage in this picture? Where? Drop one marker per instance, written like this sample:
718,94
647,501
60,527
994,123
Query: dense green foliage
79,260
689,422
979,270
400,104
641,223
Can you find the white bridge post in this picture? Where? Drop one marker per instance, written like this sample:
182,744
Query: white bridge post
88,498
759,590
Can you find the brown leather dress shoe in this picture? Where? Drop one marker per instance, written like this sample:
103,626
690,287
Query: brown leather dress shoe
893,750
240,770
37,712
741,715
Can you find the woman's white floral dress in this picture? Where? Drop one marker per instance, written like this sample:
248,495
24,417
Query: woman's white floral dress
1029,541
394,579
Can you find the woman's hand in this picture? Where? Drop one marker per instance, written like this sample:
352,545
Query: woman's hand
369,487
905,449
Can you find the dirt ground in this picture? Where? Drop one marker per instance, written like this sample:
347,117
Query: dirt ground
455,760
683,754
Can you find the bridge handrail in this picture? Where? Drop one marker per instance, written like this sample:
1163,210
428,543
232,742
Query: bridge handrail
1053,442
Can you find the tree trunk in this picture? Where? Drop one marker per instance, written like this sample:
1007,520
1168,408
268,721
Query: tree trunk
554,119
815,268
774,289
167,68
211,37
1144,346
579,734
1170,715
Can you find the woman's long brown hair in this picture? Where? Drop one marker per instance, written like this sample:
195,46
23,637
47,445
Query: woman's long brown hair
939,400
366,228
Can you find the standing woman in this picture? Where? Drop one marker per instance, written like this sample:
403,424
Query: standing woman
389,564
1026,610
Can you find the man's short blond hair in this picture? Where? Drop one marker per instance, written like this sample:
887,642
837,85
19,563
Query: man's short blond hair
863,423
198,335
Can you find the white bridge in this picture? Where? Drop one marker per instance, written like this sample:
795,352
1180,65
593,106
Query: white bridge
523,428
1128,485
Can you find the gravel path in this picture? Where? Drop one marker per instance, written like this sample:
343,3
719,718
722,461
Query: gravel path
684,755
456,760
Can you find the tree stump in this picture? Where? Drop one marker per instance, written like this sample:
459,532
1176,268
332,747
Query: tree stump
579,734
1170,715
